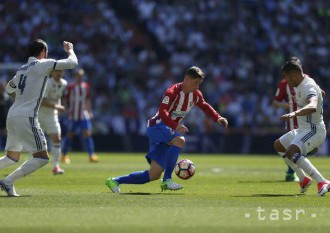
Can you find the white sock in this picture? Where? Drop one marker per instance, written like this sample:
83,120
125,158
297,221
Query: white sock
56,151
308,167
25,169
300,173
5,161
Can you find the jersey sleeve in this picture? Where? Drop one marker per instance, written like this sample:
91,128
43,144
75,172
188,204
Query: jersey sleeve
11,85
69,63
206,107
280,92
164,107
311,91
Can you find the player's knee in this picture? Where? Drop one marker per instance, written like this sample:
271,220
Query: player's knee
179,142
278,147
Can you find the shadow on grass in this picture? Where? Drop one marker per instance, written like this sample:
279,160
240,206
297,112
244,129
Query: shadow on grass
143,194
271,195
262,181
21,196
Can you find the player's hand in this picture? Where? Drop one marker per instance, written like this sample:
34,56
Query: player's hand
223,121
323,93
60,108
287,116
67,46
182,129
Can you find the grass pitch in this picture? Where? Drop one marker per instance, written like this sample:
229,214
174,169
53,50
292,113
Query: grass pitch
227,194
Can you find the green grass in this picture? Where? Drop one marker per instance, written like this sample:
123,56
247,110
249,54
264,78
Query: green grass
217,199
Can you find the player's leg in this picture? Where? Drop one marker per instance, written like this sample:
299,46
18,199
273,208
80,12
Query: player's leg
172,142
33,140
290,175
72,125
305,182
13,146
176,145
301,145
280,146
155,171
56,151
10,158
88,140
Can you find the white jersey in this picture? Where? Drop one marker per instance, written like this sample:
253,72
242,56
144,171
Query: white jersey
53,93
307,89
30,81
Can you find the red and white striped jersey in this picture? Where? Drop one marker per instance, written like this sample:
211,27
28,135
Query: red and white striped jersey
286,93
77,95
176,105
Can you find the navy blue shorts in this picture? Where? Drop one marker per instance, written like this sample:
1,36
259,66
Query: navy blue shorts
159,136
79,126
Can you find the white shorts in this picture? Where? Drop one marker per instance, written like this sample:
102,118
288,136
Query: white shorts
24,131
305,139
50,123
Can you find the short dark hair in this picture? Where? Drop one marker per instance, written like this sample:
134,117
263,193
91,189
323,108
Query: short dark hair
293,64
36,47
195,72
294,59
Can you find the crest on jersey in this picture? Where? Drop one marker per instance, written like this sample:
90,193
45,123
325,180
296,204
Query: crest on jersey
166,100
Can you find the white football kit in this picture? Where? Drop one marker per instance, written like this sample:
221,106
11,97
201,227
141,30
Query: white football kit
48,117
311,131
29,86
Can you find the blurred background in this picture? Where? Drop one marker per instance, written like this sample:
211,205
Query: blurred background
132,50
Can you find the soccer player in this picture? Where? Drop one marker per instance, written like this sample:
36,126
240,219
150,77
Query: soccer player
48,114
311,132
285,98
165,132
79,108
28,87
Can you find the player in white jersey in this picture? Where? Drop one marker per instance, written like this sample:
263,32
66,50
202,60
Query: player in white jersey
48,114
28,87
311,132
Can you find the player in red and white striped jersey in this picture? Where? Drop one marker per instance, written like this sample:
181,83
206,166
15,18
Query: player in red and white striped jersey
285,98
165,131
78,104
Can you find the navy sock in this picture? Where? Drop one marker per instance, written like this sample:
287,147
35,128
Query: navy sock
89,143
140,177
66,145
290,171
171,159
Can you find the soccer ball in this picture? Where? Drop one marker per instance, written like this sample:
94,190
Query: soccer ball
185,169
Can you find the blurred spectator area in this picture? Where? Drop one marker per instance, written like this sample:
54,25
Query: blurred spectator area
132,50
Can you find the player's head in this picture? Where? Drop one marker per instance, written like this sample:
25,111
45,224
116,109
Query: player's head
292,71
38,48
57,74
194,72
79,74
193,77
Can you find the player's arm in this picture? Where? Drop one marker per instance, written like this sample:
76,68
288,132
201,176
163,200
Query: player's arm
68,63
46,103
11,87
210,111
309,108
